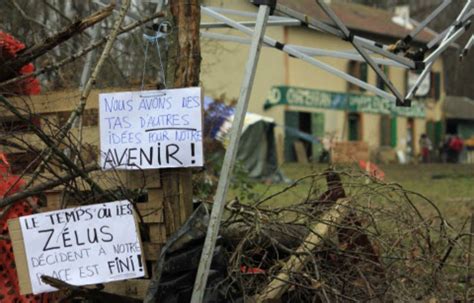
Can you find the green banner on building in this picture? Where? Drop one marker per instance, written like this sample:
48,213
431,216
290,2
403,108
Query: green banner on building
314,98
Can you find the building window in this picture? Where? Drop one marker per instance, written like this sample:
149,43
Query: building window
388,131
355,127
358,70
435,88
380,83
430,87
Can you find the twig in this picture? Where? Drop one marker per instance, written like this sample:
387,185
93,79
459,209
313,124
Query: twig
49,142
81,53
43,186
85,93
29,54
24,15
279,285
83,292
468,265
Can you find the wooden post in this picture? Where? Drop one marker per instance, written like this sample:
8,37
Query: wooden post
183,60
277,287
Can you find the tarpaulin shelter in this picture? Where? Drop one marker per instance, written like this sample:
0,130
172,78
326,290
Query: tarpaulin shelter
257,150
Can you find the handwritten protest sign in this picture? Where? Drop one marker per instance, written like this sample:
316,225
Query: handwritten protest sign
151,129
84,245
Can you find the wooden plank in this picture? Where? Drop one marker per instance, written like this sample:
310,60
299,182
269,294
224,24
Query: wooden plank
19,253
349,151
151,251
112,179
301,155
53,200
150,215
149,178
280,149
131,288
155,198
157,233
185,195
321,230
170,201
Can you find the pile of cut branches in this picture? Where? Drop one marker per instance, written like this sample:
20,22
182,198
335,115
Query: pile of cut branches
353,238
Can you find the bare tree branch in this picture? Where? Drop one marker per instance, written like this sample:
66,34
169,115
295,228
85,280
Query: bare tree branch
81,53
29,54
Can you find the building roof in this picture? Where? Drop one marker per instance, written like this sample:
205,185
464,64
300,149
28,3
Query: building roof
359,18
459,108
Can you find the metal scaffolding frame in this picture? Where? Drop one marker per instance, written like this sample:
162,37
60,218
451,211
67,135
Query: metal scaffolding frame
369,51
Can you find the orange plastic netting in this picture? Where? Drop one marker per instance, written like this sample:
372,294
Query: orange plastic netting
9,289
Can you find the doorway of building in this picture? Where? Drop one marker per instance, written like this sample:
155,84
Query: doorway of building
303,127
354,125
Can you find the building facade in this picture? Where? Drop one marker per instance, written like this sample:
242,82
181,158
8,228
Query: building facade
302,97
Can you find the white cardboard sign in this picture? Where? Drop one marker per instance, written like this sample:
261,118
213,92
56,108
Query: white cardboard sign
84,245
151,129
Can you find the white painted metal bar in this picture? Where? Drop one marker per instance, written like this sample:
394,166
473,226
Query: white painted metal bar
443,34
294,52
240,13
279,22
468,46
312,22
428,19
376,48
369,44
230,156
444,45
466,10
329,12
314,52
379,72
361,51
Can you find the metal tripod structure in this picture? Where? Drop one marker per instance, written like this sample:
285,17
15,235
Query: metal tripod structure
364,47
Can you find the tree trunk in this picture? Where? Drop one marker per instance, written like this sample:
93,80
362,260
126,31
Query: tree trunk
184,55
182,70
183,60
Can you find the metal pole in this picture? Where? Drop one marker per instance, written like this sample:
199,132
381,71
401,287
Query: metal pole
466,10
428,19
440,36
444,45
294,52
275,22
230,155
362,51
310,51
312,22
467,47
366,43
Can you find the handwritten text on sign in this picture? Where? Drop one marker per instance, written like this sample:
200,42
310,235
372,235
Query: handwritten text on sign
151,129
84,245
